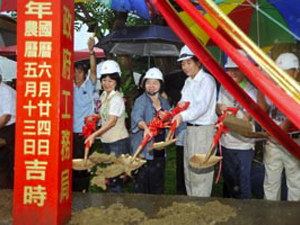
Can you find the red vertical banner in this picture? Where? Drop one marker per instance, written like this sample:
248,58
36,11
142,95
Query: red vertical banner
43,158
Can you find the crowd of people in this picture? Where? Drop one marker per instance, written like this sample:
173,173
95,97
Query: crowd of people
195,129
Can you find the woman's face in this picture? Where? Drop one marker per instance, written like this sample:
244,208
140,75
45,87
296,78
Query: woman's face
190,67
152,86
108,84
79,77
236,74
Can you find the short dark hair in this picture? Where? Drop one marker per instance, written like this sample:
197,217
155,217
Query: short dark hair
195,59
113,76
162,85
82,66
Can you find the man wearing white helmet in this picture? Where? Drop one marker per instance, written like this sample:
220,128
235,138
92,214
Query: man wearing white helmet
151,176
237,150
7,133
83,87
276,157
200,90
113,133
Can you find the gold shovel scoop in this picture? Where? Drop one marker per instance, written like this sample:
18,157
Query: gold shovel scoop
161,145
123,164
202,161
94,159
242,127
198,161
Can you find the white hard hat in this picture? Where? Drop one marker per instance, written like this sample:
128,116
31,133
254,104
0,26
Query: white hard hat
154,73
230,63
185,53
287,61
98,69
110,67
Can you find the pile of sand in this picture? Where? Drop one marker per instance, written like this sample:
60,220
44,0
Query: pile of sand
178,213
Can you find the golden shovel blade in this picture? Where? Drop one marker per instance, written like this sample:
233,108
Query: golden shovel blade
242,127
161,145
198,161
128,163
94,159
80,164
102,158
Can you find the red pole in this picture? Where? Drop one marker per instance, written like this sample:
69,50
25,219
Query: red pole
187,36
43,157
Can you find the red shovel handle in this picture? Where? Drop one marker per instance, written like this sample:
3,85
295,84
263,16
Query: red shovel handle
141,146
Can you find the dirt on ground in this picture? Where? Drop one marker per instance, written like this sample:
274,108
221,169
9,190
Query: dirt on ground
114,214
178,213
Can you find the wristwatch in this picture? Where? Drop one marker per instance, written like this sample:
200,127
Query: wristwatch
92,53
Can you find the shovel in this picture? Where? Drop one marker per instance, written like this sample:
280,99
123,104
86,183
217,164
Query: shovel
202,161
94,159
169,139
242,127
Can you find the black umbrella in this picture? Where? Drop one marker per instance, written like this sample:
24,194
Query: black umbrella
8,31
142,40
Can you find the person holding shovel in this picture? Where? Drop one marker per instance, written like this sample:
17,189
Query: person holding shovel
84,87
113,133
150,178
276,157
237,151
200,90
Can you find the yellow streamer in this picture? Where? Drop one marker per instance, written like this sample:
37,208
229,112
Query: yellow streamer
286,82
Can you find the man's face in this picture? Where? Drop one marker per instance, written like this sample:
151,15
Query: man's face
79,76
190,67
236,74
293,73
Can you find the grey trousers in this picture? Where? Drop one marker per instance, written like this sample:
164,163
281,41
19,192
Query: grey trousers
198,139
277,158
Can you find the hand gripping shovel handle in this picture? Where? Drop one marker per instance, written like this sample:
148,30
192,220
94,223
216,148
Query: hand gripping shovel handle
171,131
218,134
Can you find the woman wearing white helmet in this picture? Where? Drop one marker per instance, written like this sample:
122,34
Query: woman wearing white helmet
151,176
113,133
200,90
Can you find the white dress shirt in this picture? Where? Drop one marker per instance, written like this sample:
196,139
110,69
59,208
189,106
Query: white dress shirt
201,92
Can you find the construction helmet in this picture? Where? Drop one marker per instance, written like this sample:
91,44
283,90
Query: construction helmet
154,73
185,53
230,63
110,67
287,61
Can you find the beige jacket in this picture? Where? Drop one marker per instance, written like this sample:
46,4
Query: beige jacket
119,131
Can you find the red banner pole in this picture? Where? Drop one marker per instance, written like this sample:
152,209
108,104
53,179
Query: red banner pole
43,158
188,37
